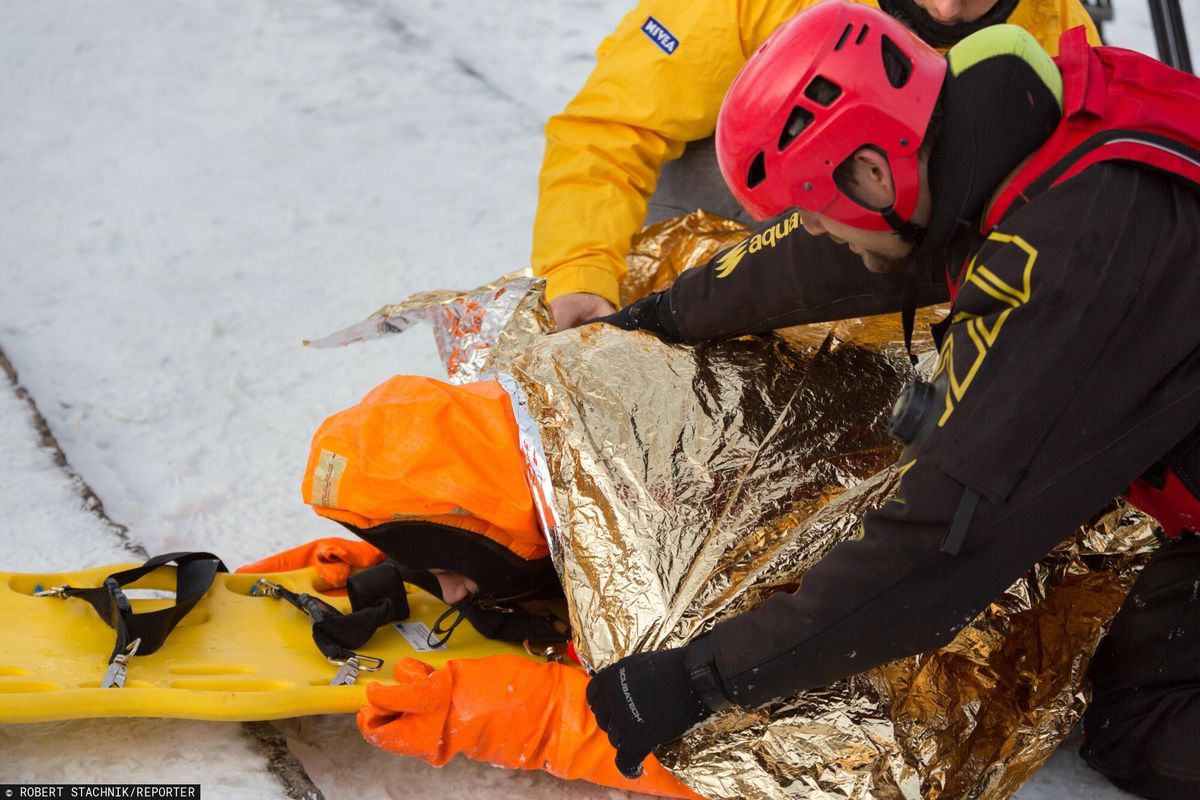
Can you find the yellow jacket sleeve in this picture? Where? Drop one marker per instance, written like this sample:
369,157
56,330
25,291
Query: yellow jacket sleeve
647,97
1049,19
642,103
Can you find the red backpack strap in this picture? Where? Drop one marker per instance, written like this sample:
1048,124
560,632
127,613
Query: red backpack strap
1083,75
1084,97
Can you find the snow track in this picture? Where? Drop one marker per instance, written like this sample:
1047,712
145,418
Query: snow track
190,190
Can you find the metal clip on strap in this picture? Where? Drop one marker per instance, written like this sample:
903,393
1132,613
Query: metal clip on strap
146,631
347,672
119,667
319,613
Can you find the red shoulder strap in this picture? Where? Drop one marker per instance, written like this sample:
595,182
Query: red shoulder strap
1084,98
1080,67
1117,105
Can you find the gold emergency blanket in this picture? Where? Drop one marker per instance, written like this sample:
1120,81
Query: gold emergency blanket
476,331
683,485
692,482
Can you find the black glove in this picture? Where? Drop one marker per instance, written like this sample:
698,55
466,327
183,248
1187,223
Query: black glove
651,314
643,701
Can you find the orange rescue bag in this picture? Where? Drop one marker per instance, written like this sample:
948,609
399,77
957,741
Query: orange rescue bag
416,448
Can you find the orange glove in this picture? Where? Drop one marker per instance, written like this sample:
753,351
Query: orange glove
506,711
332,556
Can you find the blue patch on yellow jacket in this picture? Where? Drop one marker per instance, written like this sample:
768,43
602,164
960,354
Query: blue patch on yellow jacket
660,35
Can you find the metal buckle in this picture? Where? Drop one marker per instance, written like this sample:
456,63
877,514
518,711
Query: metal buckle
551,652
348,670
494,604
114,677
54,591
264,588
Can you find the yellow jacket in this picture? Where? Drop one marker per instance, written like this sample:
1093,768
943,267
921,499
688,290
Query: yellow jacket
642,104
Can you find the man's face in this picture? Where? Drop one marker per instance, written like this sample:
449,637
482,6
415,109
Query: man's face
956,12
871,183
880,251
455,587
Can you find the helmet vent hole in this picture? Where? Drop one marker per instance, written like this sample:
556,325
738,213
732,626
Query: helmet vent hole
842,39
798,120
862,34
758,171
896,64
822,91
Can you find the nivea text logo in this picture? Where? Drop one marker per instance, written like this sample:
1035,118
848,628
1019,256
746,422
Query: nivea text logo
660,35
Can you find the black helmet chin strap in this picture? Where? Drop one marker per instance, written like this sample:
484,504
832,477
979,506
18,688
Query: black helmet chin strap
912,233
908,307
909,231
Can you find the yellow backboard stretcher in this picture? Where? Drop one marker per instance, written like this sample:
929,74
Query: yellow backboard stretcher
235,656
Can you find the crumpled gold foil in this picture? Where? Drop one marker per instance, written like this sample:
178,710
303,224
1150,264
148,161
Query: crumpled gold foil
680,472
693,482
1016,675
683,485
475,330
971,720
661,252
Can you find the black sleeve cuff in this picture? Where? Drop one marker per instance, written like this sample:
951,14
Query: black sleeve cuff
699,661
650,314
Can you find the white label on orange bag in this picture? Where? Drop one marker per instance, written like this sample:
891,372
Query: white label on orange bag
327,479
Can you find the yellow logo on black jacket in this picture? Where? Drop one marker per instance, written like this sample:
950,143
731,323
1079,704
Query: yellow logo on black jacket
994,299
768,237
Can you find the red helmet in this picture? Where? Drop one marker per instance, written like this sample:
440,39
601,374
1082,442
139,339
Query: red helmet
832,79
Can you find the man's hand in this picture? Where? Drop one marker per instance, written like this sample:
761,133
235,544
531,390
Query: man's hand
498,709
410,716
643,701
501,710
577,308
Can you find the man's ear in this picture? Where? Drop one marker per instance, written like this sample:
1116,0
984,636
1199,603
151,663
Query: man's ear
873,178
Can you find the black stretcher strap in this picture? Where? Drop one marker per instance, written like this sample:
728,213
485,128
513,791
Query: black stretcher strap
319,612
193,577
511,623
377,597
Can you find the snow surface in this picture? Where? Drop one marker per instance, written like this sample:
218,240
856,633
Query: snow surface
190,189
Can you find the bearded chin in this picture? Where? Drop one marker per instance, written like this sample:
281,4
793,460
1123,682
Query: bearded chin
880,263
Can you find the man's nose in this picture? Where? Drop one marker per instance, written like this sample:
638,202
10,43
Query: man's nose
452,590
811,224
946,10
